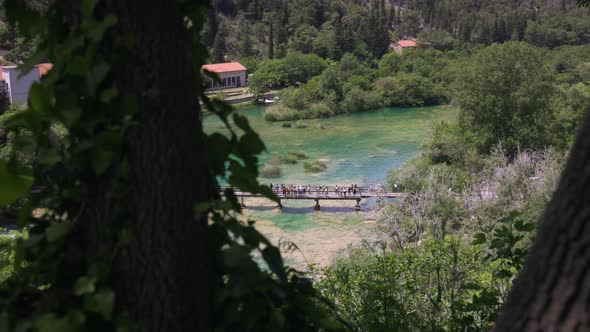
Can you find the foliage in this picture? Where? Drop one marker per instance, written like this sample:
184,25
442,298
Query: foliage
300,155
4,101
315,167
448,145
62,288
303,39
440,40
269,73
410,24
288,159
431,287
8,268
270,171
505,96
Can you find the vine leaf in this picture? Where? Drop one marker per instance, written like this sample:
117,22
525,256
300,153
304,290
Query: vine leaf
15,183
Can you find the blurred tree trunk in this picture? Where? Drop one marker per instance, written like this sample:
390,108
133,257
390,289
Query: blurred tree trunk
164,276
552,292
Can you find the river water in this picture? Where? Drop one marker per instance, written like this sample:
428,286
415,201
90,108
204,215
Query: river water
358,148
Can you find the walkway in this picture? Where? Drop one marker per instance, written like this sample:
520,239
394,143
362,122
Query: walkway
362,192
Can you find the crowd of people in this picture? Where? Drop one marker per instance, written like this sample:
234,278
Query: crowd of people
320,191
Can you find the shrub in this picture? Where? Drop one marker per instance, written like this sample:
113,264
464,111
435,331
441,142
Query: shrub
270,171
283,113
300,155
288,159
300,124
315,167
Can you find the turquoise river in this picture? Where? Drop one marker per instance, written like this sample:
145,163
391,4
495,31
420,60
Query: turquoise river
358,148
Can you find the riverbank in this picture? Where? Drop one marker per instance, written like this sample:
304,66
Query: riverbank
238,97
319,242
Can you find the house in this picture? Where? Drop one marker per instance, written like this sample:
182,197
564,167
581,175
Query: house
18,86
231,74
401,45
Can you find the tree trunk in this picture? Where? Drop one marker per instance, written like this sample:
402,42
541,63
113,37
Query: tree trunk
552,292
164,277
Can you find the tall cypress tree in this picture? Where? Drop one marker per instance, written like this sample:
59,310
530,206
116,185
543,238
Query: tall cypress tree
219,48
244,36
211,27
282,22
271,47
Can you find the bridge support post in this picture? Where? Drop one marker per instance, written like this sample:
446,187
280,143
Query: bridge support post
358,204
280,206
242,202
317,205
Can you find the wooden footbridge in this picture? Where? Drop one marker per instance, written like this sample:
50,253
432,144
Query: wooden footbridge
361,192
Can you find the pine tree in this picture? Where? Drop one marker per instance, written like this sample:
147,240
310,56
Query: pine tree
219,48
211,28
390,17
271,46
244,45
465,31
282,32
485,35
521,28
497,36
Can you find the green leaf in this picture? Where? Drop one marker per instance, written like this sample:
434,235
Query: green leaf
39,98
503,273
524,227
88,7
101,303
16,183
50,322
48,157
479,239
108,94
58,230
272,257
102,161
84,285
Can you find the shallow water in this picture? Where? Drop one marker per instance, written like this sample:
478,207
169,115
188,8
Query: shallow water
358,148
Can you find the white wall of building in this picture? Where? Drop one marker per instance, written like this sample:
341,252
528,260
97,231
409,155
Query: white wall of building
232,79
19,86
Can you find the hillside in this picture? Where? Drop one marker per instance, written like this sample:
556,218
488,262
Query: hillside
331,28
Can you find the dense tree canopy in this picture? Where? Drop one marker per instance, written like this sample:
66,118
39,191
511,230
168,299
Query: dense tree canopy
505,96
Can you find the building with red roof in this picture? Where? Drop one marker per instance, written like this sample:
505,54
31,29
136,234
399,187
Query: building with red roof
401,45
17,85
231,75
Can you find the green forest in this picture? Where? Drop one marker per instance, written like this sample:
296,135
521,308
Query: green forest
111,191
334,57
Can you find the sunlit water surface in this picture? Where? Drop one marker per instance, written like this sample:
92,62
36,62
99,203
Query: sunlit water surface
359,148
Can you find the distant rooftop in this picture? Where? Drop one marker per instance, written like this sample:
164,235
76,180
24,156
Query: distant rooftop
407,43
224,67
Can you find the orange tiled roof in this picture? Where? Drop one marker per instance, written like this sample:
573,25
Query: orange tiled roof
224,67
407,43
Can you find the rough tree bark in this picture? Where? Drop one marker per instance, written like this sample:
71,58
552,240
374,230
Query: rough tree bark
552,293
164,277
